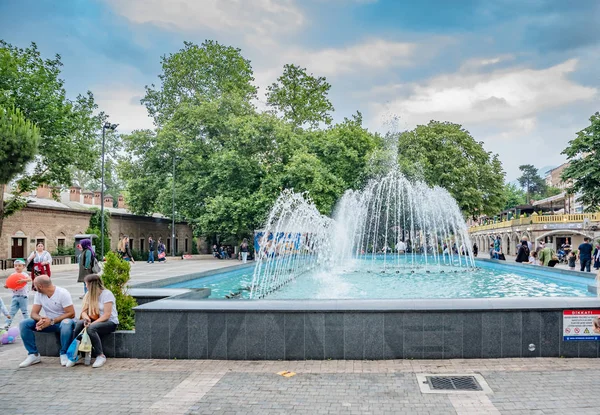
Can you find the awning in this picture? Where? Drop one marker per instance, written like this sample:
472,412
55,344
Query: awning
550,200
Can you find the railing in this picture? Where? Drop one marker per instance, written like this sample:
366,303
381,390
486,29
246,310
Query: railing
531,220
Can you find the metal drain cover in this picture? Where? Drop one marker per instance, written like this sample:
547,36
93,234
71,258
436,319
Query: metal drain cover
453,383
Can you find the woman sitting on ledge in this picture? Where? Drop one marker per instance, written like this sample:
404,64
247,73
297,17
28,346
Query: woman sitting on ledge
98,314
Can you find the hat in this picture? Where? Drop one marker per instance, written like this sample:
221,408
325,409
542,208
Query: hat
19,261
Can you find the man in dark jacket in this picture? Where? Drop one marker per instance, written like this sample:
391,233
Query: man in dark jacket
151,250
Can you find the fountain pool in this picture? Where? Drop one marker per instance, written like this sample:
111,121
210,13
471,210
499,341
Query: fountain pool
406,278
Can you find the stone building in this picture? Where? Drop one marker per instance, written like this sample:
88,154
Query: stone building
56,222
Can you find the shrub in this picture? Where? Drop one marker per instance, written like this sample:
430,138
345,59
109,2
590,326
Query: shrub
64,251
115,278
140,255
195,246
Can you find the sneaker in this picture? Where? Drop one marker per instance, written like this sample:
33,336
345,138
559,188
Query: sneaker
100,360
32,359
71,363
63,359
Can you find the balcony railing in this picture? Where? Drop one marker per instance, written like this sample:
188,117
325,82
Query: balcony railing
531,220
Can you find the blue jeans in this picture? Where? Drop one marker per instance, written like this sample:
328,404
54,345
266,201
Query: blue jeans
65,328
18,302
151,256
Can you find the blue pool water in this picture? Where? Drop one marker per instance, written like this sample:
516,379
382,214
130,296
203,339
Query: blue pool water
363,279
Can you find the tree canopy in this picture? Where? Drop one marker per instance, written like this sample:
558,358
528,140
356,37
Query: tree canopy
446,155
228,161
69,129
531,182
583,172
301,98
19,139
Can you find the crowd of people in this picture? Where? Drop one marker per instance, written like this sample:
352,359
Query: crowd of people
586,255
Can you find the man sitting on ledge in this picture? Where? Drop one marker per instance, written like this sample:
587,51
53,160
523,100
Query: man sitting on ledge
60,313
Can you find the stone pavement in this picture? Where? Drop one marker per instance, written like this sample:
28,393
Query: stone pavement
129,386
140,272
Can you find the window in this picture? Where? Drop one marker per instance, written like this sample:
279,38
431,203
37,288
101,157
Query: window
40,241
186,245
60,243
176,245
142,244
131,242
169,245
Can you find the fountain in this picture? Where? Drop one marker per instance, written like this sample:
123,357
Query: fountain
391,224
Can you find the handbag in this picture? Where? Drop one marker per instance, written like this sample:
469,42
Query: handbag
161,255
86,343
30,266
73,350
96,268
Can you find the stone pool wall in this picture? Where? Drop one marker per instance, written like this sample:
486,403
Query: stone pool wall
347,329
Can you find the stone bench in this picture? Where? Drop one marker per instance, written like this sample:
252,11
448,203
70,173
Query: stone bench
117,344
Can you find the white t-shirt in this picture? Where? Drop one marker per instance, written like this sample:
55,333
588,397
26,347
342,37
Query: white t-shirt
54,306
107,297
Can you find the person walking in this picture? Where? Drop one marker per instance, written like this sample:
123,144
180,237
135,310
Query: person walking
497,249
585,255
41,262
244,250
597,256
546,255
475,249
523,252
127,255
98,315
86,263
151,248
57,304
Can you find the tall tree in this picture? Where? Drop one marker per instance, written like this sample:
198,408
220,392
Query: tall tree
300,97
199,74
446,155
69,129
513,195
531,181
19,140
583,171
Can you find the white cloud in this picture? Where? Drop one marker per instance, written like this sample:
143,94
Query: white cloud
499,96
250,17
122,104
372,54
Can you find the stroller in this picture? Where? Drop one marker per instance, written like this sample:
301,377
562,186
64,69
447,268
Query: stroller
562,257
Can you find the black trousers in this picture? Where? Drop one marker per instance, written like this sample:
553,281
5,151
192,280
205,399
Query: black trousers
94,330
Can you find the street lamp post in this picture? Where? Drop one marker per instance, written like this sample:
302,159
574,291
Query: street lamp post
111,127
173,219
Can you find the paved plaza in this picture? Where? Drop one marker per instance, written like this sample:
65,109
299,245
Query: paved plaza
131,386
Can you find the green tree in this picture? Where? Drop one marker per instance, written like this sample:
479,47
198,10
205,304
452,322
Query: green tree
301,98
95,227
446,155
69,129
513,195
199,74
19,140
583,171
531,181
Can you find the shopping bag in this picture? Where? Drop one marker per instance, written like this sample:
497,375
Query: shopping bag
161,255
96,268
86,344
73,350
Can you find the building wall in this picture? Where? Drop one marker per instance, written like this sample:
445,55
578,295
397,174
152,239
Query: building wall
139,227
49,225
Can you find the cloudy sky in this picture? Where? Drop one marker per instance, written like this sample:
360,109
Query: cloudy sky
521,76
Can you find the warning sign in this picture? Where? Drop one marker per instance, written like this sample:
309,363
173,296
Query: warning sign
581,325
